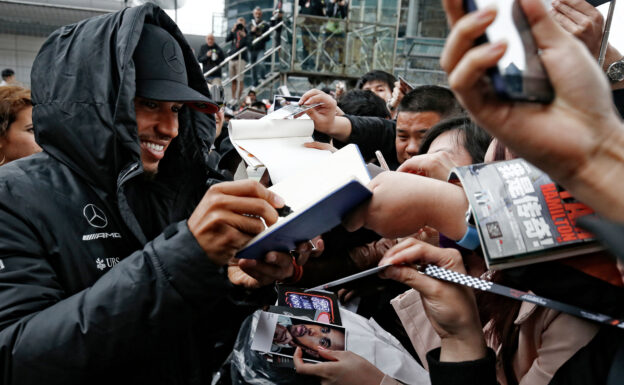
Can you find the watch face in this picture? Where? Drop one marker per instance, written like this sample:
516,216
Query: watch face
616,71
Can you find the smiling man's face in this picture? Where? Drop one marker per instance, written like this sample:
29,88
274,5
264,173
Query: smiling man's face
157,124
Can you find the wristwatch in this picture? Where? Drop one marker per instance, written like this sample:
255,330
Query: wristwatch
615,72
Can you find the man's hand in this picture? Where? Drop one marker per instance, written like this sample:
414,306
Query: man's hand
586,23
437,165
398,92
451,309
310,249
228,216
577,138
582,20
253,274
276,266
345,368
324,115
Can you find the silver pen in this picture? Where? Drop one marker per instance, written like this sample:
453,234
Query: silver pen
350,278
382,161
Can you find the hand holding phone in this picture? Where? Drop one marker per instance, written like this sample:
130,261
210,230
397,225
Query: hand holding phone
519,74
405,85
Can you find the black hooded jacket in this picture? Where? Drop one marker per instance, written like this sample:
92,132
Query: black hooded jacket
101,280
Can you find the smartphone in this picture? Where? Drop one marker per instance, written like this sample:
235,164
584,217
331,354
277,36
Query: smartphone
405,85
597,3
519,74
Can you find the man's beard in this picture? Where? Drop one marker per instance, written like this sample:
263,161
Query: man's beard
149,175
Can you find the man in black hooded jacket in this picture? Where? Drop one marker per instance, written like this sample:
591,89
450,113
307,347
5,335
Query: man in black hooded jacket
102,277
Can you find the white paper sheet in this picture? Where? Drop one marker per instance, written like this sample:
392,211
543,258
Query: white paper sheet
314,181
277,144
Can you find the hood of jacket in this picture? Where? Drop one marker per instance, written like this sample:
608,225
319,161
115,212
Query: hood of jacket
83,87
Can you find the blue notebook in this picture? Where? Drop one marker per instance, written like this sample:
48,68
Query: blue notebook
320,197
323,216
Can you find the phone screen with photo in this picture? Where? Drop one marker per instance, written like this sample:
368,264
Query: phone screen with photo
520,74
324,303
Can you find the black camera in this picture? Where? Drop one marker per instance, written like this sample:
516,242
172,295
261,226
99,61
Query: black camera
239,27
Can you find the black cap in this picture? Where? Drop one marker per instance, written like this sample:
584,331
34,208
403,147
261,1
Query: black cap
161,71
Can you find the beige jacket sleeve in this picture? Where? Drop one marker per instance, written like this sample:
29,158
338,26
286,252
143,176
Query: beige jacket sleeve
411,312
547,339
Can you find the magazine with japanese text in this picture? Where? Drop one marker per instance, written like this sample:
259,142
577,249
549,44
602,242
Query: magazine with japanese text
522,216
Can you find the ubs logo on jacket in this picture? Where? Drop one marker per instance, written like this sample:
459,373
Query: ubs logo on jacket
102,264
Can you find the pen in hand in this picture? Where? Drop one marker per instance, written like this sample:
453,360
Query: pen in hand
382,161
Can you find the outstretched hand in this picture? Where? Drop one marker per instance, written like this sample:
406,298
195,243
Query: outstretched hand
253,274
582,20
562,138
402,204
451,309
437,165
324,115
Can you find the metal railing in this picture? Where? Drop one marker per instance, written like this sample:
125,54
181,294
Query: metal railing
251,65
238,54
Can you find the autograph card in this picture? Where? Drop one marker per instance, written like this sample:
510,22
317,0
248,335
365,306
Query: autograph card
281,335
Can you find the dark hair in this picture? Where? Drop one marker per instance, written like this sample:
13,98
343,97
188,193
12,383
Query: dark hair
7,72
259,105
381,76
500,152
470,136
13,99
363,103
431,98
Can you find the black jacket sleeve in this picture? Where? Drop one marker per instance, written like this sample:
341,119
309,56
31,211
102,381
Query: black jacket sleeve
202,58
49,335
372,134
478,372
230,36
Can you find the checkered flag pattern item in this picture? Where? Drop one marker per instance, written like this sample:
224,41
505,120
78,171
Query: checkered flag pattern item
476,283
462,279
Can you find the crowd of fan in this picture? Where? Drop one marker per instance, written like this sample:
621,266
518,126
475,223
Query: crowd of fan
61,319
253,36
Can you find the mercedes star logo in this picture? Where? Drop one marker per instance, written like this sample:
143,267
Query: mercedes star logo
94,216
171,57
